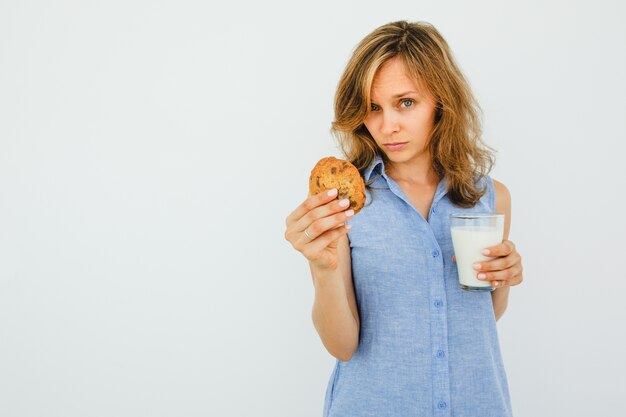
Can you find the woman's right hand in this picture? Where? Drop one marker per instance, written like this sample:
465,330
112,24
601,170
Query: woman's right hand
316,225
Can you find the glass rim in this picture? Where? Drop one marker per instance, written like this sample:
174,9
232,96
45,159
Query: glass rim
475,215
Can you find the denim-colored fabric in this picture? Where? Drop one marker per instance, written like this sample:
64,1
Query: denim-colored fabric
427,348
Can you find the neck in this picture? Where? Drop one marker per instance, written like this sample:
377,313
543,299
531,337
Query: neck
419,174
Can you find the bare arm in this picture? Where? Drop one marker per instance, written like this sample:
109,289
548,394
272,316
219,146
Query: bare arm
335,313
500,300
500,297
317,229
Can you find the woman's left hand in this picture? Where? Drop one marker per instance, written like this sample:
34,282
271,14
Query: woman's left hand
505,270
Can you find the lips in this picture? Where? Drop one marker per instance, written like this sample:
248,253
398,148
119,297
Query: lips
395,146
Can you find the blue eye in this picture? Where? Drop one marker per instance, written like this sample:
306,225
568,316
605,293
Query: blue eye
407,102
373,107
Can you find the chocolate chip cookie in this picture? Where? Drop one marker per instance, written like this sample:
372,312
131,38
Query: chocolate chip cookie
336,173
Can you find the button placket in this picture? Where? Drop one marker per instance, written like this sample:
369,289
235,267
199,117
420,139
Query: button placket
439,334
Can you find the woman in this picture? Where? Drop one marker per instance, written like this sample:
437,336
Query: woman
388,304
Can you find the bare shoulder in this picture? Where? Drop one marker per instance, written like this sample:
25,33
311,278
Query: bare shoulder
503,205
503,197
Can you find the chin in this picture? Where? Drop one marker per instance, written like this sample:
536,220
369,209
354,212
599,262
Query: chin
398,157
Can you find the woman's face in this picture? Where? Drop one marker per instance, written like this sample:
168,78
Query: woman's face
402,115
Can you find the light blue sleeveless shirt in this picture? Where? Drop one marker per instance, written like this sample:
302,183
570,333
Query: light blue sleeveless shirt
427,348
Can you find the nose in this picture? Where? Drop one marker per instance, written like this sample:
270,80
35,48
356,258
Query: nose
390,123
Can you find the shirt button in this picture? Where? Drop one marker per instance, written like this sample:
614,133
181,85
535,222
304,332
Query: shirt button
441,354
435,253
438,303
432,210
442,405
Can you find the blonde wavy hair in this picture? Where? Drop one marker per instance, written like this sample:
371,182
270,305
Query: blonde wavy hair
458,153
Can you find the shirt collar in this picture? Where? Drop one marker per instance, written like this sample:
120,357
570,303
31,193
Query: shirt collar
377,167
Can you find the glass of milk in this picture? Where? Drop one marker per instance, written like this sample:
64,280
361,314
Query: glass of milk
471,233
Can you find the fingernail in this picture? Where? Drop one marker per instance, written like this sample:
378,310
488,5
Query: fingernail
348,226
486,252
495,284
332,192
344,203
482,276
476,266
350,213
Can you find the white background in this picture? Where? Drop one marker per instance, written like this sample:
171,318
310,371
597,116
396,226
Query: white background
150,152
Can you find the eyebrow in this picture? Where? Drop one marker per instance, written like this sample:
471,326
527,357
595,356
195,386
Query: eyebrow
395,96
406,94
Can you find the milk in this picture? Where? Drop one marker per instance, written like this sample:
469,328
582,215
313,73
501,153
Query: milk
468,242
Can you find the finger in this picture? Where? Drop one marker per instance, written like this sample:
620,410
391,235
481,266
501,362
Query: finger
453,258
310,203
498,264
518,278
503,275
507,283
328,209
501,249
320,226
314,249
